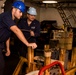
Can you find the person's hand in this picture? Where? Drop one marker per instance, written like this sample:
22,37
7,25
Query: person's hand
33,45
32,33
7,53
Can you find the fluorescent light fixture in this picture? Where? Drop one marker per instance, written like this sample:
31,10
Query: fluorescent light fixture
49,1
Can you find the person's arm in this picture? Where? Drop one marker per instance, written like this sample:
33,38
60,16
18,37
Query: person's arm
36,32
32,33
7,47
20,35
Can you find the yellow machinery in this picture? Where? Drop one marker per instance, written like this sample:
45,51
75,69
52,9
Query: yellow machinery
32,65
65,44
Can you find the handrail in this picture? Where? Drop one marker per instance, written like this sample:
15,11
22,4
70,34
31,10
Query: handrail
50,65
19,65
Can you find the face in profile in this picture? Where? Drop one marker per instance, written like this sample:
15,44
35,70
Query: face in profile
31,17
17,13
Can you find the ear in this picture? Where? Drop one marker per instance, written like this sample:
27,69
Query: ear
13,9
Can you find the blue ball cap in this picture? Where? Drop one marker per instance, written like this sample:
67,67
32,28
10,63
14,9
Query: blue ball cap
20,5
